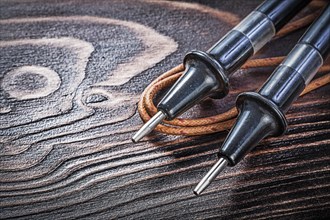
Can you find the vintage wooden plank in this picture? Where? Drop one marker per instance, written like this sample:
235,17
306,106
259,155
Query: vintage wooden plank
71,73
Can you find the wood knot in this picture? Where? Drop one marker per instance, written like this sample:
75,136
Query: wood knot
95,98
30,82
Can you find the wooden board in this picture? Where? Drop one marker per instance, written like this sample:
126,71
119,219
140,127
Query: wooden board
71,73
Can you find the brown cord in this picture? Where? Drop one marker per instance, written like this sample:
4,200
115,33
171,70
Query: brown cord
298,24
220,122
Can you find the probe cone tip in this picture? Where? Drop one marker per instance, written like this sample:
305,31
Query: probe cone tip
210,176
196,193
134,140
149,126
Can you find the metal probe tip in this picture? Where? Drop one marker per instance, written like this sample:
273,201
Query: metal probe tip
149,126
210,176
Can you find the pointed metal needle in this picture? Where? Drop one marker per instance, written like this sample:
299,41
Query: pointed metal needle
210,176
149,126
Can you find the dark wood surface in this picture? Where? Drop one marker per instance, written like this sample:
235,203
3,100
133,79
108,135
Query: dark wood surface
71,73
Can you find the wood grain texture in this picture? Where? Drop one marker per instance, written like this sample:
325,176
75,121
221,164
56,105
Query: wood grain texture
71,73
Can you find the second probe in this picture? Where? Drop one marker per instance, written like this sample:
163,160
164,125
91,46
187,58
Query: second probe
261,114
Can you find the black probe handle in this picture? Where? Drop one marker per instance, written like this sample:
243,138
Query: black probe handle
300,66
233,50
262,114
280,12
318,35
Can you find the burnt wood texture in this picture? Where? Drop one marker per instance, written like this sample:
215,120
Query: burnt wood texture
71,73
